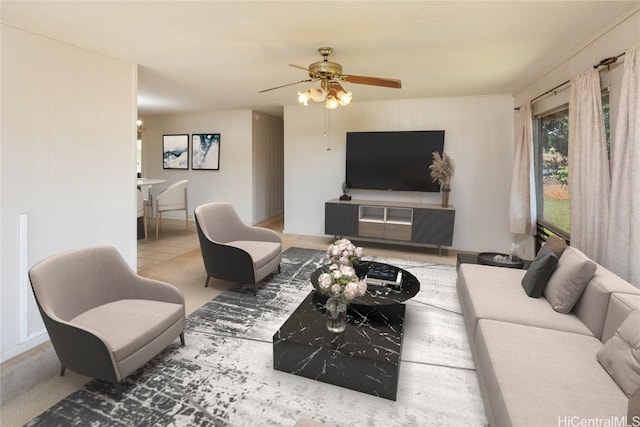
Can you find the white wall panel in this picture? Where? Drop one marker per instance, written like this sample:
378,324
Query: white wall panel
232,183
479,132
268,167
613,42
68,162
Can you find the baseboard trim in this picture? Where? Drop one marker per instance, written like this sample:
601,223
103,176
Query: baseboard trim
30,342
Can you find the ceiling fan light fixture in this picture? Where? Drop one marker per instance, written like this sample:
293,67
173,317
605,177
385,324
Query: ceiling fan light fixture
332,103
329,74
303,97
344,97
318,94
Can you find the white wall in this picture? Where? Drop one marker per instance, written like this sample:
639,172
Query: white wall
268,167
621,36
478,136
67,158
232,183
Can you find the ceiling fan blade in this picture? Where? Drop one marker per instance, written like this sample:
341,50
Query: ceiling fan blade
299,66
374,81
288,84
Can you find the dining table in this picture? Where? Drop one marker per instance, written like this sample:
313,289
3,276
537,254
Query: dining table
150,181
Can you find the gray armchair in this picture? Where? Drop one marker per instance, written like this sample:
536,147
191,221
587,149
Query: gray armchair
103,319
233,250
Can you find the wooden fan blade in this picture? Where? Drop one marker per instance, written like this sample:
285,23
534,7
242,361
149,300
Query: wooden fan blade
299,66
374,81
288,84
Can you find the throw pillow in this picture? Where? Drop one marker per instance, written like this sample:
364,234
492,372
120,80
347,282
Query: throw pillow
568,281
620,355
538,273
556,244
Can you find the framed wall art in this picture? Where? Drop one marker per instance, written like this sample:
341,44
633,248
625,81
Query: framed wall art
205,151
175,151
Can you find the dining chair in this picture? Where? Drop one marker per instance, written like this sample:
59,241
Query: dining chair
233,250
148,201
172,198
104,320
142,212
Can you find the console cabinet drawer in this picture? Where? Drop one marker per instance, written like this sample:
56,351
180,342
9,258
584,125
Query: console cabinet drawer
371,229
397,232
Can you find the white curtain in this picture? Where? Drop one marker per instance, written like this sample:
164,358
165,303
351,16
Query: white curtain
623,248
521,207
589,178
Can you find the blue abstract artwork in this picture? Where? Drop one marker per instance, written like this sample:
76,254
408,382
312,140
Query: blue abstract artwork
175,151
205,149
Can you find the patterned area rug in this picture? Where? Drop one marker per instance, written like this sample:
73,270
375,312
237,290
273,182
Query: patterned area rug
225,376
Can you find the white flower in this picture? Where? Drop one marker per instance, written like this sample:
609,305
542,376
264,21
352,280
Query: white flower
347,270
325,281
344,252
340,279
362,287
351,290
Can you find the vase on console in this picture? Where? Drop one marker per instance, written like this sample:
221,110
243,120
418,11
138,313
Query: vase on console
445,196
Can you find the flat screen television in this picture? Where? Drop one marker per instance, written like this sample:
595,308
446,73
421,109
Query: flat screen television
397,160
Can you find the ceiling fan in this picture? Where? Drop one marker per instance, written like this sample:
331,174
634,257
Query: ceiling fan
330,75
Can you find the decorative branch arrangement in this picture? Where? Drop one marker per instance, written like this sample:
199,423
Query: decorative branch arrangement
442,169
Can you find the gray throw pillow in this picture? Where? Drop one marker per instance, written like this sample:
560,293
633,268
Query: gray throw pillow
568,281
541,268
620,355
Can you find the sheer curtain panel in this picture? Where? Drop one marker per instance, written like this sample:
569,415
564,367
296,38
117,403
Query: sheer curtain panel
589,179
520,204
623,248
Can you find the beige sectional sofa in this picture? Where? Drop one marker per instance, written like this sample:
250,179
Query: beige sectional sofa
536,366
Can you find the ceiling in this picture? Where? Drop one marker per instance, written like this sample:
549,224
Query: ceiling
216,55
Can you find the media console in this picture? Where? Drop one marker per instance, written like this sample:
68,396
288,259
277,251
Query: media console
421,223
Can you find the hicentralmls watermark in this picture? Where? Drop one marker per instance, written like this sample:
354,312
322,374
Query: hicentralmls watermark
576,421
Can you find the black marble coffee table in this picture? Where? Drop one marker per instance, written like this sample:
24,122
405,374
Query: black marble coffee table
365,357
376,296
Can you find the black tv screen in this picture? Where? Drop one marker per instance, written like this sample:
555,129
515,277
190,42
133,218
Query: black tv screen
392,160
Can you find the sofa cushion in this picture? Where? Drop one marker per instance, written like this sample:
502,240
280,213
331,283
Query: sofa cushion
555,244
620,356
538,273
130,324
568,281
487,292
261,252
537,377
620,305
592,307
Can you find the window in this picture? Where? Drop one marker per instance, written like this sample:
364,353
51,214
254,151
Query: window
551,142
552,177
